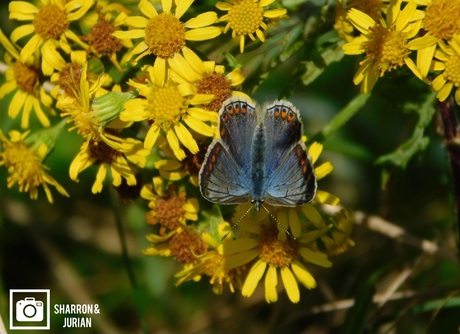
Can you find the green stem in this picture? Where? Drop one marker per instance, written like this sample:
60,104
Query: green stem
341,118
126,258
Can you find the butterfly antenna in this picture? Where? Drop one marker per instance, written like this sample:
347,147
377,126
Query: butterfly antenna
279,223
235,225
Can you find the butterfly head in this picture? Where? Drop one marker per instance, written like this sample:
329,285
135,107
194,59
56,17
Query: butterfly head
257,203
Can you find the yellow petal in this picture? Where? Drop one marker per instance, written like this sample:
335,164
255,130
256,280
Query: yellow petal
181,7
22,7
253,278
274,13
202,20
323,170
186,138
315,257
424,59
32,45
179,65
151,136
159,71
98,183
174,144
167,5
438,82
235,261
202,34
315,150
21,32
290,284
239,245
198,126
147,8
444,92
360,20
271,281
324,197
303,276
135,23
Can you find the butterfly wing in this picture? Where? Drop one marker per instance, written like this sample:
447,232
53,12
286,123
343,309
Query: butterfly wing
291,179
224,175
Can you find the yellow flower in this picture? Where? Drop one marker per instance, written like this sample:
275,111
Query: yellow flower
246,18
439,20
100,39
447,60
50,25
270,256
102,145
263,250
183,244
213,264
67,78
373,8
439,26
385,42
170,209
67,75
23,77
23,157
195,76
78,108
168,108
117,160
337,240
164,35
174,170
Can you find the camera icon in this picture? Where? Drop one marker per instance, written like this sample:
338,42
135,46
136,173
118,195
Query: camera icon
29,309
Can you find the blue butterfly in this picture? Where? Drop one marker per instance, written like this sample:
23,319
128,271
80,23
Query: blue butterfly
258,157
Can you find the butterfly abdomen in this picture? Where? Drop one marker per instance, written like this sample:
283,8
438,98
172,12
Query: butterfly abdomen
258,156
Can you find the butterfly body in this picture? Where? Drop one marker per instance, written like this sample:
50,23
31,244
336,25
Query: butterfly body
258,157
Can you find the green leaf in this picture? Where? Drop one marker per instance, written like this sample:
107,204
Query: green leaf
418,141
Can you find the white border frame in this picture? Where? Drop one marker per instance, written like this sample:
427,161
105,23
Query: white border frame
48,305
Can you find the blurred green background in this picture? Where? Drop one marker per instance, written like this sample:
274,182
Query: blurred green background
74,248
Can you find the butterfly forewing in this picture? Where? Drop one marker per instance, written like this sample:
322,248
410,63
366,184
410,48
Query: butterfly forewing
290,177
224,175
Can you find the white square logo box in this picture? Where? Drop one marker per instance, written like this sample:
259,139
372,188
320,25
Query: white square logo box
28,312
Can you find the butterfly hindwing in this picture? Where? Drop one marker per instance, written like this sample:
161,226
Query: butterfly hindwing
221,178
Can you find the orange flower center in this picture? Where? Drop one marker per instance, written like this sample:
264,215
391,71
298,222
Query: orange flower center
276,252
166,104
102,152
452,70
69,78
439,19
165,35
25,77
185,246
101,39
169,211
245,17
217,85
387,48
50,22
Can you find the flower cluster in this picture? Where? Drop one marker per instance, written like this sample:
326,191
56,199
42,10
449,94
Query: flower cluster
422,35
141,87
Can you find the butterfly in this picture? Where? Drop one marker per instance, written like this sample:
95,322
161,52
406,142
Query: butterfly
259,157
